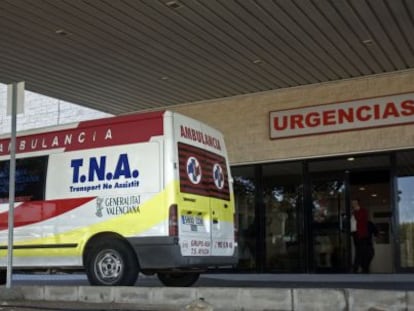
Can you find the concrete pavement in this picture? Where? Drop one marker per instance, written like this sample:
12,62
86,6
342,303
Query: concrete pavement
233,292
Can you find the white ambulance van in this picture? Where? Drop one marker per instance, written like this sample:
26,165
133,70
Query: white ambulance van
147,193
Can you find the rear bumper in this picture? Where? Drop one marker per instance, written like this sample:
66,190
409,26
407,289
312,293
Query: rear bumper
157,253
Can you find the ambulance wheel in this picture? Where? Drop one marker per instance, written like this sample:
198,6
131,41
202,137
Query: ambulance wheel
3,277
112,263
178,279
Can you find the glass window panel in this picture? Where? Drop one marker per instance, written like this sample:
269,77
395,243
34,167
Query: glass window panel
405,199
282,192
245,197
30,179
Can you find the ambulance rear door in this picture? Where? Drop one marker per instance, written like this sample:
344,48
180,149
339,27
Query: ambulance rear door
205,209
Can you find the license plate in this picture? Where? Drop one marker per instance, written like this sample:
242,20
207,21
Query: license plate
192,220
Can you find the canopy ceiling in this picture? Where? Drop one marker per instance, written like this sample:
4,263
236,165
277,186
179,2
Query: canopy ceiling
125,55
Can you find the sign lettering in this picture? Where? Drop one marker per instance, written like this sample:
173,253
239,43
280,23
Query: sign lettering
367,113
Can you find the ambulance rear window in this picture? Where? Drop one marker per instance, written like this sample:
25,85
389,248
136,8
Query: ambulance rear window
203,172
30,179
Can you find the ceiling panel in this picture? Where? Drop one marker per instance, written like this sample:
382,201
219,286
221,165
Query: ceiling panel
125,55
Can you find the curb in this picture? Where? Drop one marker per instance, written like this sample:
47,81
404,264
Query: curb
219,298
11,294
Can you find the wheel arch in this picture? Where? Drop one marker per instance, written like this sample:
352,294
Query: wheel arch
104,236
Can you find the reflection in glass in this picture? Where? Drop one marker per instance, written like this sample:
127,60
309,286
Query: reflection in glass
29,179
282,192
244,193
405,188
325,199
329,237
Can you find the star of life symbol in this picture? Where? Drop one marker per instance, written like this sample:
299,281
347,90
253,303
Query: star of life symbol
99,207
218,176
193,170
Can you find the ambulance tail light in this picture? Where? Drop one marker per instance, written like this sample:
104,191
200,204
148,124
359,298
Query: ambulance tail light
173,220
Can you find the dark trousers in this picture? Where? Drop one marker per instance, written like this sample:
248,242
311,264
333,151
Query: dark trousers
364,252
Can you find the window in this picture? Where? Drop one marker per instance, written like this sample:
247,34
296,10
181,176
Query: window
405,201
30,179
203,172
245,198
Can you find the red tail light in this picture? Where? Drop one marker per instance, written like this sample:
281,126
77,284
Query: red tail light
173,220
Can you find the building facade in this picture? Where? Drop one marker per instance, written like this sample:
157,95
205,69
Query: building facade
300,155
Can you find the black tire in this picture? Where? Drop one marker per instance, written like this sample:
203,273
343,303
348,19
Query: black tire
183,279
111,263
3,277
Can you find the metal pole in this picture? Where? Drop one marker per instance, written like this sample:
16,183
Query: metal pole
12,172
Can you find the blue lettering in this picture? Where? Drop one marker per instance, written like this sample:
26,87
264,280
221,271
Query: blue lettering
107,186
76,164
98,169
122,167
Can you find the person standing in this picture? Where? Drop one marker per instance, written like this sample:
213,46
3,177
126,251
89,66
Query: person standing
362,235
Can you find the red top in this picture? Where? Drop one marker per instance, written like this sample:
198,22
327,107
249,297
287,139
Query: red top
361,217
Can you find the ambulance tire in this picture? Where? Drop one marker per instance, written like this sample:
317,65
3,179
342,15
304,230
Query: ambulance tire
3,277
112,263
178,279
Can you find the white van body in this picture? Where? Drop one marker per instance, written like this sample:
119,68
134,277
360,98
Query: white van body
148,192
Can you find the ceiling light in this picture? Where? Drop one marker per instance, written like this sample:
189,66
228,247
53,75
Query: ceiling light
368,42
173,5
362,188
351,159
374,195
62,32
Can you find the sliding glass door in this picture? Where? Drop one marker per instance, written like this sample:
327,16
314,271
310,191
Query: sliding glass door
329,228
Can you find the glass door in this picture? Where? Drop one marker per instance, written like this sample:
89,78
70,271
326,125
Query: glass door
372,189
330,250
283,206
333,183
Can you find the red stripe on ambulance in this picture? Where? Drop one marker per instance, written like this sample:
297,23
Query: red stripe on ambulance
32,212
91,134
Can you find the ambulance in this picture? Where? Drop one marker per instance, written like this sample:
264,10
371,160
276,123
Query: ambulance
146,193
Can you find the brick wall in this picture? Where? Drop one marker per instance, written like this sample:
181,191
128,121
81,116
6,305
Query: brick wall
244,120
42,111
